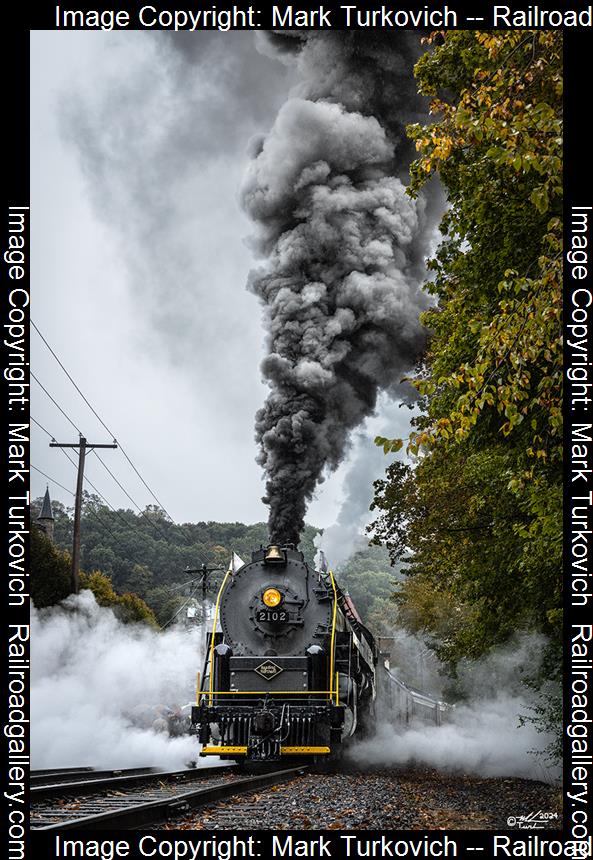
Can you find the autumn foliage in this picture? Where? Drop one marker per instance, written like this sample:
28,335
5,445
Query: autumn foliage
478,519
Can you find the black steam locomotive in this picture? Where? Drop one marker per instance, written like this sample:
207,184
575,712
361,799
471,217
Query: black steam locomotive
291,672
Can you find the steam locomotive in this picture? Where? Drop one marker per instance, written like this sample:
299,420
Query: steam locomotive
292,670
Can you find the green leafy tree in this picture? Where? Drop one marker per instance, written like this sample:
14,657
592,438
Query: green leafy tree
145,553
132,608
164,603
382,617
140,580
478,519
50,571
368,578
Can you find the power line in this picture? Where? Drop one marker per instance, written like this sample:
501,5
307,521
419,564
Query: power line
129,526
96,414
183,584
67,417
188,537
115,537
104,525
70,378
34,420
87,480
95,488
53,480
183,605
101,496
140,511
91,510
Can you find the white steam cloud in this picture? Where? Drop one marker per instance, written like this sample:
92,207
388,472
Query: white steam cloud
482,735
90,674
366,463
482,738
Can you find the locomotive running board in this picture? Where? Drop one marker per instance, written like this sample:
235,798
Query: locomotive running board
223,750
305,750
283,751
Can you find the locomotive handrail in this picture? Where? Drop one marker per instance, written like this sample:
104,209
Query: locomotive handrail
270,692
266,724
214,622
329,693
333,638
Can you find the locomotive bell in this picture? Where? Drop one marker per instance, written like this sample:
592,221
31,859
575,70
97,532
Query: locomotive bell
274,555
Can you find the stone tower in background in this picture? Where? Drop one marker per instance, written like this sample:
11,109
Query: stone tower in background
45,520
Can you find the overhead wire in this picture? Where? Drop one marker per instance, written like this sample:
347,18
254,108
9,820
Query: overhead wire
190,540
183,605
90,510
103,424
53,480
136,505
194,583
34,420
183,584
55,402
87,480
129,526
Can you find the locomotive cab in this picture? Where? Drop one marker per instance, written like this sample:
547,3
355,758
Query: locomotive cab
290,671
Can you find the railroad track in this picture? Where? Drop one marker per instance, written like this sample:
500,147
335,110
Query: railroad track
66,776
58,770
140,799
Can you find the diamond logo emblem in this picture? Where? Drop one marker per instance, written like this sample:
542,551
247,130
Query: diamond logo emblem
268,670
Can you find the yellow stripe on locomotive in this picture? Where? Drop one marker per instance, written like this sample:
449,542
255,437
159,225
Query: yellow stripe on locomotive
290,671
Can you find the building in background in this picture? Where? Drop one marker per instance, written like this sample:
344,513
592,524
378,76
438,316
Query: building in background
45,520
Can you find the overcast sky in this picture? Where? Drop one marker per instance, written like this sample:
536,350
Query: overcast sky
139,265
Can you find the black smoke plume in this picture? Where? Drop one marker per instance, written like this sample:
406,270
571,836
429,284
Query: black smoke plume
345,251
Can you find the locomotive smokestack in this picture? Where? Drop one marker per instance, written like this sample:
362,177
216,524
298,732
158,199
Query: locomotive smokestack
344,249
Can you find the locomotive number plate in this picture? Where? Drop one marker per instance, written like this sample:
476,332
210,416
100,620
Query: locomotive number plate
274,615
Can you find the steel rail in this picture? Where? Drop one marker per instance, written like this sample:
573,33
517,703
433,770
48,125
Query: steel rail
121,779
58,771
41,778
142,814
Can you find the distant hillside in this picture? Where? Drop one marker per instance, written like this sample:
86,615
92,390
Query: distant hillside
148,555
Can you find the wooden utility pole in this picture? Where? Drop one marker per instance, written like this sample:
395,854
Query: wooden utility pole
83,446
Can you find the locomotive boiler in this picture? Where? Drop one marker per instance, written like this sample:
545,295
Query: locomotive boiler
289,668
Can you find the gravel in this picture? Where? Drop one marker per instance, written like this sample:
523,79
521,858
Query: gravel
390,799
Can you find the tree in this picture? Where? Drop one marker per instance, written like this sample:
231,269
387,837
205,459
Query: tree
100,584
131,608
478,518
164,603
495,361
128,607
140,580
50,571
367,577
146,554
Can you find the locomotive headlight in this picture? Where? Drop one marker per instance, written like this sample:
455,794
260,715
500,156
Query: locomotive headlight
272,597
